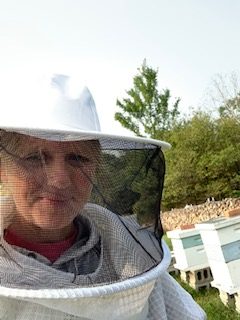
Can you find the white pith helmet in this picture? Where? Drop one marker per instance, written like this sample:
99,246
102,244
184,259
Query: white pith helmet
47,110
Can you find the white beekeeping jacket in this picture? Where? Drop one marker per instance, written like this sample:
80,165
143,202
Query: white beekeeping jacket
154,295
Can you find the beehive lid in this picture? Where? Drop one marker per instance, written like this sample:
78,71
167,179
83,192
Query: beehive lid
182,233
218,223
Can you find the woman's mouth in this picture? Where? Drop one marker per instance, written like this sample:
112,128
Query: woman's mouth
54,200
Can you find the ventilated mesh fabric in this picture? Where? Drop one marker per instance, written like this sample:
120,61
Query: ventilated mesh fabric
71,246
78,215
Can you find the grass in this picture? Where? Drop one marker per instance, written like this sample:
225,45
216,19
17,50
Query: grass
210,302
168,241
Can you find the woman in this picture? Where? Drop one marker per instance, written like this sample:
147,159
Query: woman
69,249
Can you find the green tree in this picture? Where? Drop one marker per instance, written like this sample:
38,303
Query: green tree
224,163
111,191
130,182
204,161
146,111
205,157
185,182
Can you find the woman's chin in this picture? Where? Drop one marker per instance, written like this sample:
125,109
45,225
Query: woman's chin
53,224
54,215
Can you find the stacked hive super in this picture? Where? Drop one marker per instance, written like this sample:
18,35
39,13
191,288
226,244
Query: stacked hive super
221,239
190,255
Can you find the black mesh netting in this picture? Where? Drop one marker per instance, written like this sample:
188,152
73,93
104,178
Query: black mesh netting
78,213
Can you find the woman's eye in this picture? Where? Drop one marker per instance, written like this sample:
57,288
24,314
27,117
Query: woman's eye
77,160
34,159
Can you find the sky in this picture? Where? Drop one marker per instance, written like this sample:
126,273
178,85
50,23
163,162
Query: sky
103,43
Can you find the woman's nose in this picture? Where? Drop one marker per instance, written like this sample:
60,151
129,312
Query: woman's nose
58,175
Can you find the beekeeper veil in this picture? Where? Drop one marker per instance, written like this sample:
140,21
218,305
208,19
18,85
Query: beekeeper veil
95,197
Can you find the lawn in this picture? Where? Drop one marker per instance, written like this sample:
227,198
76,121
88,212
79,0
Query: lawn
168,241
209,300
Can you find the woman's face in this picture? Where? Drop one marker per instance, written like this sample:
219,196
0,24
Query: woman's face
49,181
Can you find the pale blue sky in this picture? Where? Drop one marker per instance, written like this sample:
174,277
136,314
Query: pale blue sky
105,41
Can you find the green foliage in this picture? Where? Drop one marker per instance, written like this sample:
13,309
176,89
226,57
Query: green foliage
146,111
116,192
168,241
205,157
149,185
204,161
125,193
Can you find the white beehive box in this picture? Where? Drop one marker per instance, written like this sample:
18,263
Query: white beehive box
221,238
188,249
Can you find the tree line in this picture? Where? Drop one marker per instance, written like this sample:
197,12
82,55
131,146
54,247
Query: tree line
204,160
